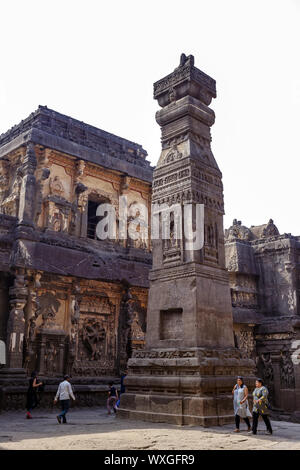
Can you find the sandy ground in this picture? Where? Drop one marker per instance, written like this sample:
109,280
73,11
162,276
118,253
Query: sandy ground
92,429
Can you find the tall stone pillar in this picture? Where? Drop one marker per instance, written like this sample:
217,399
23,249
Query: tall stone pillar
187,371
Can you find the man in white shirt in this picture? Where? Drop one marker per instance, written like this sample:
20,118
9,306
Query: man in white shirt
64,392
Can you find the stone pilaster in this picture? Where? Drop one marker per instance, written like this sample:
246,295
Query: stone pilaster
28,187
16,322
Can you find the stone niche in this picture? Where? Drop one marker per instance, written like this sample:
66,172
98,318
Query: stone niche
96,342
51,352
171,324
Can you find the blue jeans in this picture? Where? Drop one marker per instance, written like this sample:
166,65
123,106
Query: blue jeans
65,405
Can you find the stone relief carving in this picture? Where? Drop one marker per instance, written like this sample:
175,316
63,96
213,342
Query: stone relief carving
4,179
51,357
137,233
238,231
93,335
56,187
270,230
265,369
29,346
136,320
274,336
172,155
10,205
20,255
132,326
57,215
172,94
74,332
287,374
92,340
246,341
44,174
47,307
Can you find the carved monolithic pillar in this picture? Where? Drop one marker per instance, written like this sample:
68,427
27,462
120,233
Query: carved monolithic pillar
187,371
16,321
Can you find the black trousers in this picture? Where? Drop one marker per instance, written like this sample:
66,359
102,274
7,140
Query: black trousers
238,419
32,401
255,422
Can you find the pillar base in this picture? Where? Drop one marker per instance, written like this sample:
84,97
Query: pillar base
184,387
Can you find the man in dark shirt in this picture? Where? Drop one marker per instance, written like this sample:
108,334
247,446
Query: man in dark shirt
112,398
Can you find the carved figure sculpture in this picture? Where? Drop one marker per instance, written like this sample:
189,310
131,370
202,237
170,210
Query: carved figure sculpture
92,335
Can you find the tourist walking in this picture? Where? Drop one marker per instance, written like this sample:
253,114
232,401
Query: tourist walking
63,394
32,399
261,406
240,404
112,398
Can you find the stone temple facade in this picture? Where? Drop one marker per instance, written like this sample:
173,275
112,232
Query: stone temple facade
70,303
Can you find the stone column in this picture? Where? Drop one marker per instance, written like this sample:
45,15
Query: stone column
297,388
275,357
16,321
41,356
28,187
186,373
80,201
61,355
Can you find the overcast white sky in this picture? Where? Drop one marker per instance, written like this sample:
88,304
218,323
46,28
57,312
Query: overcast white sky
97,60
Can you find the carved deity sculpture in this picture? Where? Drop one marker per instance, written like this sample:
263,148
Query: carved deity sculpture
47,307
57,187
11,203
270,230
93,335
51,355
265,369
4,179
238,231
75,315
287,374
29,349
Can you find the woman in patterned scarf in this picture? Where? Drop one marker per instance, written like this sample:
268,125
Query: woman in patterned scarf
261,406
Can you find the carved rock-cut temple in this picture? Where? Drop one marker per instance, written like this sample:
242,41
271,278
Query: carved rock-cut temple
70,303
264,272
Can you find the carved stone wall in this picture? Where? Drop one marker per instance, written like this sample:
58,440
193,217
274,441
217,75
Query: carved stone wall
264,269
87,329
60,292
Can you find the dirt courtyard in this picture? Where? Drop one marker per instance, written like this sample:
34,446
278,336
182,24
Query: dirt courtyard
92,429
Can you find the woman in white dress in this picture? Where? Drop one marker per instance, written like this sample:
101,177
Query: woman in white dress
240,404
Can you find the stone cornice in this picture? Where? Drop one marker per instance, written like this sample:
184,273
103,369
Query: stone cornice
64,134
